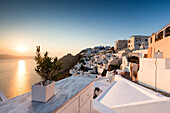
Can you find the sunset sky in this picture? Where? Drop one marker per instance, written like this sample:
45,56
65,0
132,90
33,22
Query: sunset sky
68,26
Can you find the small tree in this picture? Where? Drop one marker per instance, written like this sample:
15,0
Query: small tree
47,67
133,59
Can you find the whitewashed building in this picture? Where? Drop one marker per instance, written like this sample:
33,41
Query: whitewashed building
138,42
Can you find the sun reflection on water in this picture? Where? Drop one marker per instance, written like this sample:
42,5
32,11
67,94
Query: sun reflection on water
21,68
21,78
17,76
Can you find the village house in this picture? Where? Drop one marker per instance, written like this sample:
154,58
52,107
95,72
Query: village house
138,42
120,44
159,42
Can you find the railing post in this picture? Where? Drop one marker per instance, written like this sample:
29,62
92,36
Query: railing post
164,33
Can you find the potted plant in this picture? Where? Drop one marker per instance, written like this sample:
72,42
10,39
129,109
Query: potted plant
47,67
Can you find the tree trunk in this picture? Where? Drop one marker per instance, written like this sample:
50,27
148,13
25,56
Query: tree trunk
44,82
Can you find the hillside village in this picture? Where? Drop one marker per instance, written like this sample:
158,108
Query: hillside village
85,56
144,60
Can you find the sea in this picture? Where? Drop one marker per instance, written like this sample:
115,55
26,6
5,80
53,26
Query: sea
17,76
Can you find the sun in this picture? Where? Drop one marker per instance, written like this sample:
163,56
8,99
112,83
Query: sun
21,49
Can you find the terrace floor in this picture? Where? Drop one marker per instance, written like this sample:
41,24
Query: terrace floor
127,76
128,97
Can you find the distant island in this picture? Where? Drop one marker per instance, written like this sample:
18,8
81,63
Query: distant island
6,56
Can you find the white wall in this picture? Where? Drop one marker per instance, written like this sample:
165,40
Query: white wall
163,63
163,80
146,73
141,52
125,64
122,51
100,70
153,71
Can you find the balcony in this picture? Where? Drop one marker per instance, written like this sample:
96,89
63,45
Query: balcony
167,32
159,36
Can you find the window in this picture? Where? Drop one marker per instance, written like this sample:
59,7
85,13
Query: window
150,40
146,40
128,41
167,31
129,46
159,37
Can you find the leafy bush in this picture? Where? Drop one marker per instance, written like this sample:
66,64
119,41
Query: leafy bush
133,59
47,67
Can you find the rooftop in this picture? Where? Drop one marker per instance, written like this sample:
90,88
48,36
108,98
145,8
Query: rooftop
64,90
124,96
142,36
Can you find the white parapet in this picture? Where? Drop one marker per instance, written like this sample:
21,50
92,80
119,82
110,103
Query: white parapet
101,108
154,72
